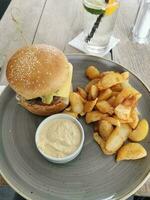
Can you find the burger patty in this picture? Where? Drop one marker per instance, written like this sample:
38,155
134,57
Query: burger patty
36,106
38,100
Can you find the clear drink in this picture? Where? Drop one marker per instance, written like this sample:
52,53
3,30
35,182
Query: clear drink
99,21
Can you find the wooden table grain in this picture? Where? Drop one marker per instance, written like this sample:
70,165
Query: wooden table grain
56,22
133,56
28,13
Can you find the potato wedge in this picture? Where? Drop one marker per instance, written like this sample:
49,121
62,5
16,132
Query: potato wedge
96,126
105,129
123,95
112,120
135,118
111,101
140,132
131,101
104,95
82,92
123,112
94,116
73,114
92,72
89,98
131,151
110,80
101,143
105,107
76,103
117,88
129,120
102,74
92,82
125,75
115,93
125,84
93,92
133,91
118,137
89,105
114,141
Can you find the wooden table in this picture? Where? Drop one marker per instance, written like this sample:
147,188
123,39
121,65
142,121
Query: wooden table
56,22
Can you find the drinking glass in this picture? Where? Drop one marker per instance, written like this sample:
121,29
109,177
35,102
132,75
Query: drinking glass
99,21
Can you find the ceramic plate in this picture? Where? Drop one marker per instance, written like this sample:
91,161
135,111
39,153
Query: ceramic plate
91,176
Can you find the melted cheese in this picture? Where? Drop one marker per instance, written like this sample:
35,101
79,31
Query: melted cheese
63,91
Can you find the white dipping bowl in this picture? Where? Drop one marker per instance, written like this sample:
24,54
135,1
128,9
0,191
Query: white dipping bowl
68,157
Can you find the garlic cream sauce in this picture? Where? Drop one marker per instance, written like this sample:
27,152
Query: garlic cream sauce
59,138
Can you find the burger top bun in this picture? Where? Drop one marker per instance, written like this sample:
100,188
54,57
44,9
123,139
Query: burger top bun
37,70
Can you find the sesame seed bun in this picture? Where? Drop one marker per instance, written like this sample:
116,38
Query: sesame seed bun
37,70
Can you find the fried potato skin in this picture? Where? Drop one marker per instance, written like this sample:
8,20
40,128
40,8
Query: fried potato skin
140,132
105,94
94,116
105,107
101,143
110,80
112,120
82,92
93,92
92,82
131,151
89,105
73,114
117,137
135,118
123,112
76,103
105,129
92,72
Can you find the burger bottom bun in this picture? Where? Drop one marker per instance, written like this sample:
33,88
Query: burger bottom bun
45,109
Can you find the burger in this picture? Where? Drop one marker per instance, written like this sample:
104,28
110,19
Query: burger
41,76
